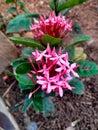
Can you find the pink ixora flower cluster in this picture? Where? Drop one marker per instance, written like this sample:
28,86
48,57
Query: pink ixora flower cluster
56,26
53,71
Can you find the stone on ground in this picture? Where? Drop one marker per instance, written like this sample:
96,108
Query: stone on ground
8,52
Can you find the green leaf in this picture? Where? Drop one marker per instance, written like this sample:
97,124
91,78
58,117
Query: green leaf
38,104
65,11
20,23
25,87
79,39
70,51
51,40
27,104
18,61
23,68
76,28
78,86
11,10
17,106
27,52
87,68
10,1
22,6
28,42
24,79
51,4
38,94
69,4
48,106
44,94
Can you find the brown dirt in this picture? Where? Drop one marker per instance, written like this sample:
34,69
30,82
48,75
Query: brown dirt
87,17
70,107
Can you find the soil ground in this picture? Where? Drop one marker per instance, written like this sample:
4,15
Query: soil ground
70,107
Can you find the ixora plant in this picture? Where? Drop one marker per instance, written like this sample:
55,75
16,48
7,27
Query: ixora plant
49,67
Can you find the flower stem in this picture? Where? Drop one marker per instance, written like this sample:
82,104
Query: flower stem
30,95
56,5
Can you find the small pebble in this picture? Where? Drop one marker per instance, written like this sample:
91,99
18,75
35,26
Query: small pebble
32,126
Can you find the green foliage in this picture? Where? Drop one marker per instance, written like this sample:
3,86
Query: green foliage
78,86
69,4
24,79
16,106
18,61
70,51
22,6
27,52
30,42
65,11
76,28
27,104
48,107
51,40
10,1
64,7
16,4
25,87
79,39
87,68
23,68
40,100
38,104
20,23
52,6
11,10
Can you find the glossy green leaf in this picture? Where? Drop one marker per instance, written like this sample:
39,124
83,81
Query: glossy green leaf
27,52
24,79
69,4
23,68
51,40
78,86
38,94
18,61
79,39
87,68
27,104
52,94
22,6
11,10
20,23
70,51
38,104
51,4
65,11
10,1
76,29
17,106
25,87
28,42
48,106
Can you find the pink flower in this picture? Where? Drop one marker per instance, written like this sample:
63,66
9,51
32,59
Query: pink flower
53,70
56,26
